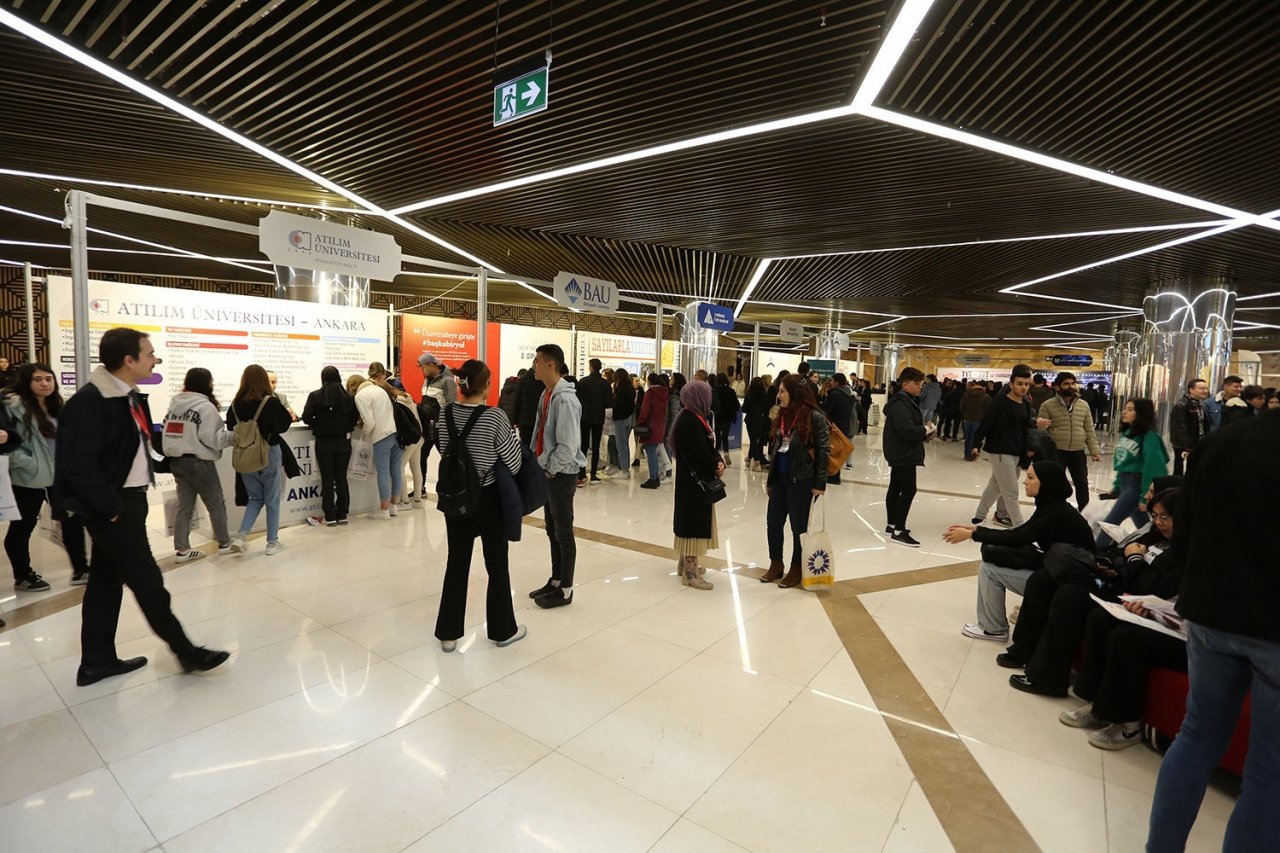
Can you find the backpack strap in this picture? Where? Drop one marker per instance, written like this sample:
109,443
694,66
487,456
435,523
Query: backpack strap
454,435
261,406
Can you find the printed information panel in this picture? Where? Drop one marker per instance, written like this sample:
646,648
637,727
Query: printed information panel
220,332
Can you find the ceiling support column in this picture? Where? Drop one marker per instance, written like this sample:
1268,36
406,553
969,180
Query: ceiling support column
697,345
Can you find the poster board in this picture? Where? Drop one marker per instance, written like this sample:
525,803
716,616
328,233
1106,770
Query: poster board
625,351
221,332
518,343
451,341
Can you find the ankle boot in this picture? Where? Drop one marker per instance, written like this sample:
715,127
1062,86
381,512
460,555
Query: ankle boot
792,578
774,574
691,578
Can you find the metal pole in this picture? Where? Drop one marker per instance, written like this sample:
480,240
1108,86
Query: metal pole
31,314
755,352
76,221
657,342
482,312
391,339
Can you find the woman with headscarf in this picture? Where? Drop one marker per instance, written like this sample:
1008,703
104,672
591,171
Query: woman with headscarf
697,462
1009,557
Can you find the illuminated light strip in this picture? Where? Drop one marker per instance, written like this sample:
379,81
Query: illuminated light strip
20,173
63,246
1060,165
892,46
756,276
1137,229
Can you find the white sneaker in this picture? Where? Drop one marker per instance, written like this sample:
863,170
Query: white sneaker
238,545
315,520
224,549
1013,615
187,556
1081,718
392,511
1117,736
416,500
274,548
974,631
381,515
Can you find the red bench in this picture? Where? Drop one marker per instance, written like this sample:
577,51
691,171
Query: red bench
1166,705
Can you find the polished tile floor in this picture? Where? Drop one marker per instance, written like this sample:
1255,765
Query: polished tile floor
647,716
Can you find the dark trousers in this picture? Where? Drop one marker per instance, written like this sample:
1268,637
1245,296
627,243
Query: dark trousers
902,491
591,434
757,433
788,501
122,556
1077,465
723,425
333,455
428,441
1117,658
1178,462
1049,636
526,434
461,533
558,515
17,540
970,433
950,424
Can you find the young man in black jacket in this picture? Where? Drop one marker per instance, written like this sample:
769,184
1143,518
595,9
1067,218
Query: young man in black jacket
593,394
1230,596
905,433
1003,434
1188,423
103,469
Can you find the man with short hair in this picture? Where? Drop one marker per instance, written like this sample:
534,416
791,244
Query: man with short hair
557,443
1071,428
103,468
1188,422
439,389
1003,434
1230,596
593,394
1231,388
1040,391
905,432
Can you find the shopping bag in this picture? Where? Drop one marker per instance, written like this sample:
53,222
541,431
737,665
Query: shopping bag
361,466
8,505
818,562
49,527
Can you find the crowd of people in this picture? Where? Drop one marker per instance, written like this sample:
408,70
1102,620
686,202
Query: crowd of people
94,456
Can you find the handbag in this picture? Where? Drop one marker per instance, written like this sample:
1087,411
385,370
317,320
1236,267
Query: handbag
817,561
841,450
713,491
8,504
1022,557
641,430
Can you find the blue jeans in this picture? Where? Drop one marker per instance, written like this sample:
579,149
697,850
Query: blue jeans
263,488
388,462
1224,667
788,501
651,451
970,431
1126,506
622,431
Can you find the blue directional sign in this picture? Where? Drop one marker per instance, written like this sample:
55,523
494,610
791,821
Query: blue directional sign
1071,360
718,317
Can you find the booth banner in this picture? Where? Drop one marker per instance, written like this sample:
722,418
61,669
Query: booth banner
625,351
1001,375
518,344
451,341
773,362
222,333
296,241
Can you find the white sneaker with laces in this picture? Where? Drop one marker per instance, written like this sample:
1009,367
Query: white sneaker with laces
1116,736
274,548
380,515
238,544
188,555
974,631
392,511
1081,718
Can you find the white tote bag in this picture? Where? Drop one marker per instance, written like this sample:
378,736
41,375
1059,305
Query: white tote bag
360,468
8,505
818,561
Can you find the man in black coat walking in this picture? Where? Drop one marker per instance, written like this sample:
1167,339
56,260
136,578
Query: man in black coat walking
905,433
103,468
593,394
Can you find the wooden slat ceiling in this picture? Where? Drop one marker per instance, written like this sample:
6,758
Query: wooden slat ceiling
391,99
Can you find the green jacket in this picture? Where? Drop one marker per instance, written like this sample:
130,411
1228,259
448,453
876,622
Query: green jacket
1148,458
31,463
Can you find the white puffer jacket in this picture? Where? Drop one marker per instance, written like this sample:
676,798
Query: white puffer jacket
377,418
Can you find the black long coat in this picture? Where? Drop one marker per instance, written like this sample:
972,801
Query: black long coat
696,459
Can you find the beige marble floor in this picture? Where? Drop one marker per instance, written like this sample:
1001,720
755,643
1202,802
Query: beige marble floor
647,716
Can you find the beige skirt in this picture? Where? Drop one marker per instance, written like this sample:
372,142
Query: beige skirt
687,547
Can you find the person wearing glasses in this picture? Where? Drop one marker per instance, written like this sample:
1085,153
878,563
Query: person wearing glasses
1055,611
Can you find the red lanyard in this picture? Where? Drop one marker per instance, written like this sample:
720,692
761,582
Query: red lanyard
140,418
542,426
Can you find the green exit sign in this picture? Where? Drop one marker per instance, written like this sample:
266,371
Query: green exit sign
523,96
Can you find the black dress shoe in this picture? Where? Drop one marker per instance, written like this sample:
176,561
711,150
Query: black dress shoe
546,589
203,659
553,599
1008,661
650,484
87,675
1026,685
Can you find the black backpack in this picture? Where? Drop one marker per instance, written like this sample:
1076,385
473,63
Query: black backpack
408,430
457,481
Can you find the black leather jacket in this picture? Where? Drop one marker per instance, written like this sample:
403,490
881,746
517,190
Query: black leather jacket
808,459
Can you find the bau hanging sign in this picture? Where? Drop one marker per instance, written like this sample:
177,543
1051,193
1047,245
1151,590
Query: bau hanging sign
289,240
585,294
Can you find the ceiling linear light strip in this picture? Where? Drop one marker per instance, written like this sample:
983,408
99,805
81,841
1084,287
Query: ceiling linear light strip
75,54
892,46
1057,164
756,276
1104,232
21,173
63,246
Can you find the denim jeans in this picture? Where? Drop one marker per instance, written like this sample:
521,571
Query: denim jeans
388,462
970,430
1224,667
1126,506
194,477
263,488
655,460
622,431
788,501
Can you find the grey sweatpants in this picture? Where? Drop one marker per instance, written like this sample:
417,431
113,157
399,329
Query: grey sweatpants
993,580
1002,486
195,477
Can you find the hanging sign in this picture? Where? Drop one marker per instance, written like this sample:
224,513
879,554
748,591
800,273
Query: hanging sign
792,333
521,96
585,294
712,316
973,360
1071,360
289,240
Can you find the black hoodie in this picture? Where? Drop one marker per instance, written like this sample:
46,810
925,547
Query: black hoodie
1054,520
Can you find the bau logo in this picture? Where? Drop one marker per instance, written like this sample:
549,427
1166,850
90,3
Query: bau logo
300,240
573,290
100,306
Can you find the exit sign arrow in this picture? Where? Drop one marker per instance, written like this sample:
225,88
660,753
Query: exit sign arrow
531,94
520,96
